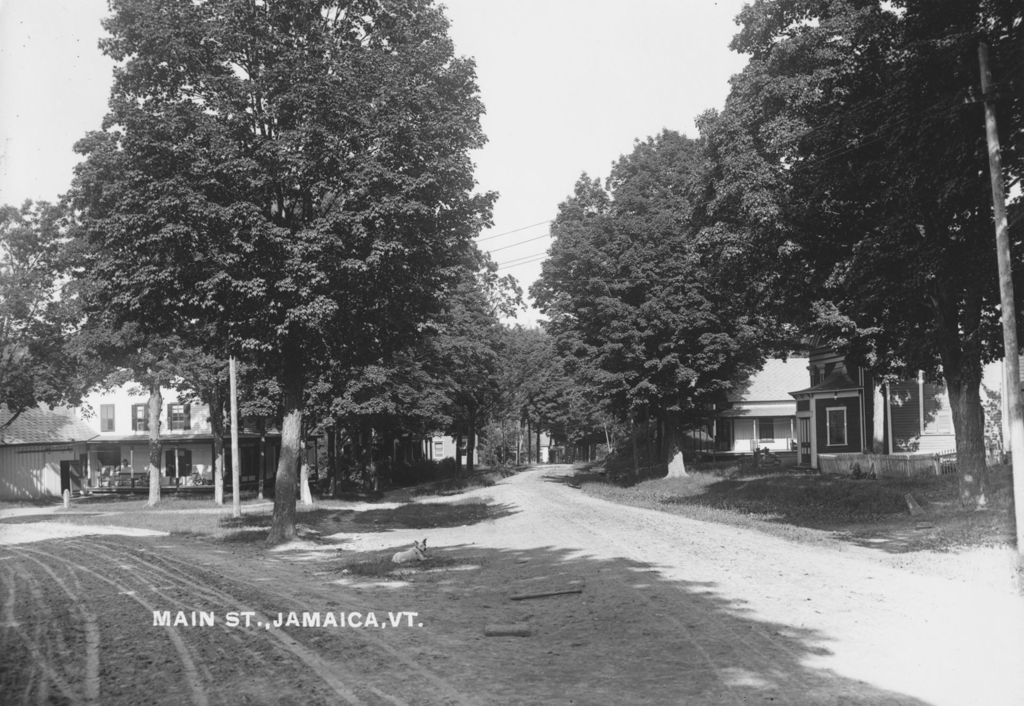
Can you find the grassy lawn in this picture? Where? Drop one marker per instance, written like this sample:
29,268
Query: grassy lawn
816,508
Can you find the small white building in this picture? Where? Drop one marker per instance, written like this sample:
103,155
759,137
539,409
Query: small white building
761,413
42,453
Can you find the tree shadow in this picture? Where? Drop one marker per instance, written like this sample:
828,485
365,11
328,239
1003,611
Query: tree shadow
605,631
432,515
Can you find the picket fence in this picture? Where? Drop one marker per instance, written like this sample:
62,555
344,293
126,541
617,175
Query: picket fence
889,465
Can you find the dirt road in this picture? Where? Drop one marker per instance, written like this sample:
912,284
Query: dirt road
668,611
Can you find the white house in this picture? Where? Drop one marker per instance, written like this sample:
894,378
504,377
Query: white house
761,413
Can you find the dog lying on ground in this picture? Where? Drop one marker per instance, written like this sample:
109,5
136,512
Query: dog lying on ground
418,552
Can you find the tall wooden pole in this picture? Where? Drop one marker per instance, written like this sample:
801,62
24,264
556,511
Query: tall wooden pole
236,472
1009,312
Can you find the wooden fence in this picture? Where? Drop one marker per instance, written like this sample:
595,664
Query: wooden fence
889,465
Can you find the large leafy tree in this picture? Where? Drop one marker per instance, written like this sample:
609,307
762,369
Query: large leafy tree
292,172
34,364
851,159
638,297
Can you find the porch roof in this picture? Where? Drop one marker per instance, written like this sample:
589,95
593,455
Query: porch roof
765,409
836,381
165,438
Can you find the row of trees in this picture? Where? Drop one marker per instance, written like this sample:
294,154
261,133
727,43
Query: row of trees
288,183
841,194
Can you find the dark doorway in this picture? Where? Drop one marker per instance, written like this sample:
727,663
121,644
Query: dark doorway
70,476
177,462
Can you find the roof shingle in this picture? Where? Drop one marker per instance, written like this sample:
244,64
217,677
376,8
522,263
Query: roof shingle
774,381
40,425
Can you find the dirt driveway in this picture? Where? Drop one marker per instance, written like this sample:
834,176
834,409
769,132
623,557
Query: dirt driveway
656,609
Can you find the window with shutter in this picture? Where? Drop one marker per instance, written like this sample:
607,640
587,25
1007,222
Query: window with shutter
178,417
140,417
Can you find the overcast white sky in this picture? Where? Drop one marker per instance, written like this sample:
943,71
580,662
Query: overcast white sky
568,86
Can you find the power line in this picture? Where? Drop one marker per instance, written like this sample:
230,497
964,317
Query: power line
512,245
516,230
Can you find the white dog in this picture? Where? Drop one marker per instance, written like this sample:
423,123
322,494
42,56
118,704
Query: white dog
418,552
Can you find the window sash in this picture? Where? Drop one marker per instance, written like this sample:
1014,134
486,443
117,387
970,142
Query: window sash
106,417
178,417
140,417
836,426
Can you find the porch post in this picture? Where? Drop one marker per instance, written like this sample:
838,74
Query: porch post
888,416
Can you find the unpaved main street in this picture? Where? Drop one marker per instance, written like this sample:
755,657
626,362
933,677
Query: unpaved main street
668,611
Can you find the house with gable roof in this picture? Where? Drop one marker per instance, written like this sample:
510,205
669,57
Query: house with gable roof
761,413
845,410
42,452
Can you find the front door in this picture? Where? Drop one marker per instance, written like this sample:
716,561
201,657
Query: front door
803,437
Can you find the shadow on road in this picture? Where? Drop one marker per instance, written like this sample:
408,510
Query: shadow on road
629,635
624,633
408,516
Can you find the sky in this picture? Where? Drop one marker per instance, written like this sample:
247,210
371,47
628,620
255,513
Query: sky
568,86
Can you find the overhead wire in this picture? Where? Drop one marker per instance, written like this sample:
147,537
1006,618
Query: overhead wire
514,230
952,104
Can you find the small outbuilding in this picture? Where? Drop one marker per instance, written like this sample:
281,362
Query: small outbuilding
42,453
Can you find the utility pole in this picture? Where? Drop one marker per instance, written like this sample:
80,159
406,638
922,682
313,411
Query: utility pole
1011,350
236,473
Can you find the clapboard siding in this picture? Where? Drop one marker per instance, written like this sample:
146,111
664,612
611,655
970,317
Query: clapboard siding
31,472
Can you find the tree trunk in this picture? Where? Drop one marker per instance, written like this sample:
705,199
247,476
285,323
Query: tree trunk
217,429
458,454
283,524
305,496
538,444
636,449
878,420
529,440
676,465
263,458
471,444
155,403
969,424
332,460
662,441
649,438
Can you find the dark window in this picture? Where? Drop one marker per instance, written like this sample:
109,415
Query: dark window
766,429
837,426
140,417
177,462
106,417
815,375
178,417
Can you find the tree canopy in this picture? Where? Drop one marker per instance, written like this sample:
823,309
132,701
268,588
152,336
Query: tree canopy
35,367
295,174
636,296
851,156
